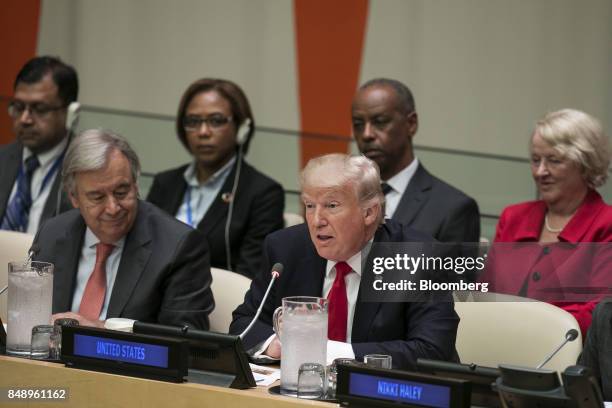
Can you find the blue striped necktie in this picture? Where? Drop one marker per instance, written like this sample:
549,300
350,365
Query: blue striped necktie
18,210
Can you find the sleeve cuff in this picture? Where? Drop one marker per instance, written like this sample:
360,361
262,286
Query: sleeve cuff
258,351
338,349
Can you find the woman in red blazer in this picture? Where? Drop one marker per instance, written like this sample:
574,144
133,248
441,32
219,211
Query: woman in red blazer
569,160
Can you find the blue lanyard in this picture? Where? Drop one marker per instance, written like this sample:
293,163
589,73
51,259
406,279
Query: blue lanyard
56,164
51,172
188,204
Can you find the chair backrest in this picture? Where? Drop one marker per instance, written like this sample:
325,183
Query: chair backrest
502,329
292,219
228,289
14,246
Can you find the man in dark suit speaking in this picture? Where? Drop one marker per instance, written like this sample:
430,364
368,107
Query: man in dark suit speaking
344,213
117,256
384,123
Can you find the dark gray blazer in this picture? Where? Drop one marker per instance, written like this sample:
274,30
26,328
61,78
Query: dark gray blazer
597,350
404,330
163,276
10,160
432,206
258,211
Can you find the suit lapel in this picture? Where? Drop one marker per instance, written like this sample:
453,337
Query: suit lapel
134,258
51,206
218,209
9,167
366,311
66,265
414,197
176,194
315,266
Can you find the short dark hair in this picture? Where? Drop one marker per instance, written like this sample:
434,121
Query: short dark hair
404,94
241,110
64,76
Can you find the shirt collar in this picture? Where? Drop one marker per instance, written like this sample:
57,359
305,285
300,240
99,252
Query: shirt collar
191,175
46,158
354,261
91,240
400,181
580,223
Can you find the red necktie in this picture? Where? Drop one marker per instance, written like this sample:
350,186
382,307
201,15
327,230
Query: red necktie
338,304
93,297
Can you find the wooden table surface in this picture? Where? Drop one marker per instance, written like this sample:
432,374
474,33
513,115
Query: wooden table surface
95,389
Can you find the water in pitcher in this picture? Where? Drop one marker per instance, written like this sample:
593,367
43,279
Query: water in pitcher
304,340
29,304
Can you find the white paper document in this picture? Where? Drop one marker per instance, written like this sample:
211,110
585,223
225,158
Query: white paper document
265,375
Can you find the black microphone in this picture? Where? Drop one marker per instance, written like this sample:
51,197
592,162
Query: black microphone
571,335
277,269
34,250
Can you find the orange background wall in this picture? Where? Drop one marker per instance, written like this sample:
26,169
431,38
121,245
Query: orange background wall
329,50
18,33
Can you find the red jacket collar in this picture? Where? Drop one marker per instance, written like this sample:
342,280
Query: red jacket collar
575,229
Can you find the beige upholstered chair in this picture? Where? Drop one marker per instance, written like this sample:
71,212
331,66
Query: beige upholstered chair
14,246
292,219
498,328
228,289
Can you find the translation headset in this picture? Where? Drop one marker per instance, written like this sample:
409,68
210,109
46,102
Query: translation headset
72,117
243,132
242,136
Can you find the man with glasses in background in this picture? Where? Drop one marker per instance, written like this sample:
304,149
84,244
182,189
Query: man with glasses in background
29,184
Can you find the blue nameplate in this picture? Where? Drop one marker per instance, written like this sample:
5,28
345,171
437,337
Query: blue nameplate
124,353
359,385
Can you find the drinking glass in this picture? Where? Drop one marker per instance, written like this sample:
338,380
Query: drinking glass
55,343
378,360
332,375
311,381
41,336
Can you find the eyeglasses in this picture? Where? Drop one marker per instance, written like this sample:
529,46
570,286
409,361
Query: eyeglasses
194,123
37,110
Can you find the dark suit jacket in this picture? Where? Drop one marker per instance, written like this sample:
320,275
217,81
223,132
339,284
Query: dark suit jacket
163,276
406,331
258,211
598,347
432,206
10,160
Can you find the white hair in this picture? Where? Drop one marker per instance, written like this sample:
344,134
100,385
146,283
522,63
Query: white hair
357,171
89,151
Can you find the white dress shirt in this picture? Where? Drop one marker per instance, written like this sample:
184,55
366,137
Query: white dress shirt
201,196
352,287
338,349
398,184
87,262
39,198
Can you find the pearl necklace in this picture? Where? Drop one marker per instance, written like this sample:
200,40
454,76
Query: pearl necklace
549,228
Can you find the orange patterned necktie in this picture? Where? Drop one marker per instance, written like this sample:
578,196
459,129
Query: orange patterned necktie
93,297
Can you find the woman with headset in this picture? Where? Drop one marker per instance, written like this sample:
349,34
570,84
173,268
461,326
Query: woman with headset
231,202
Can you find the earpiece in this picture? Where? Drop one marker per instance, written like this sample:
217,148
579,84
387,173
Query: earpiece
243,132
72,116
